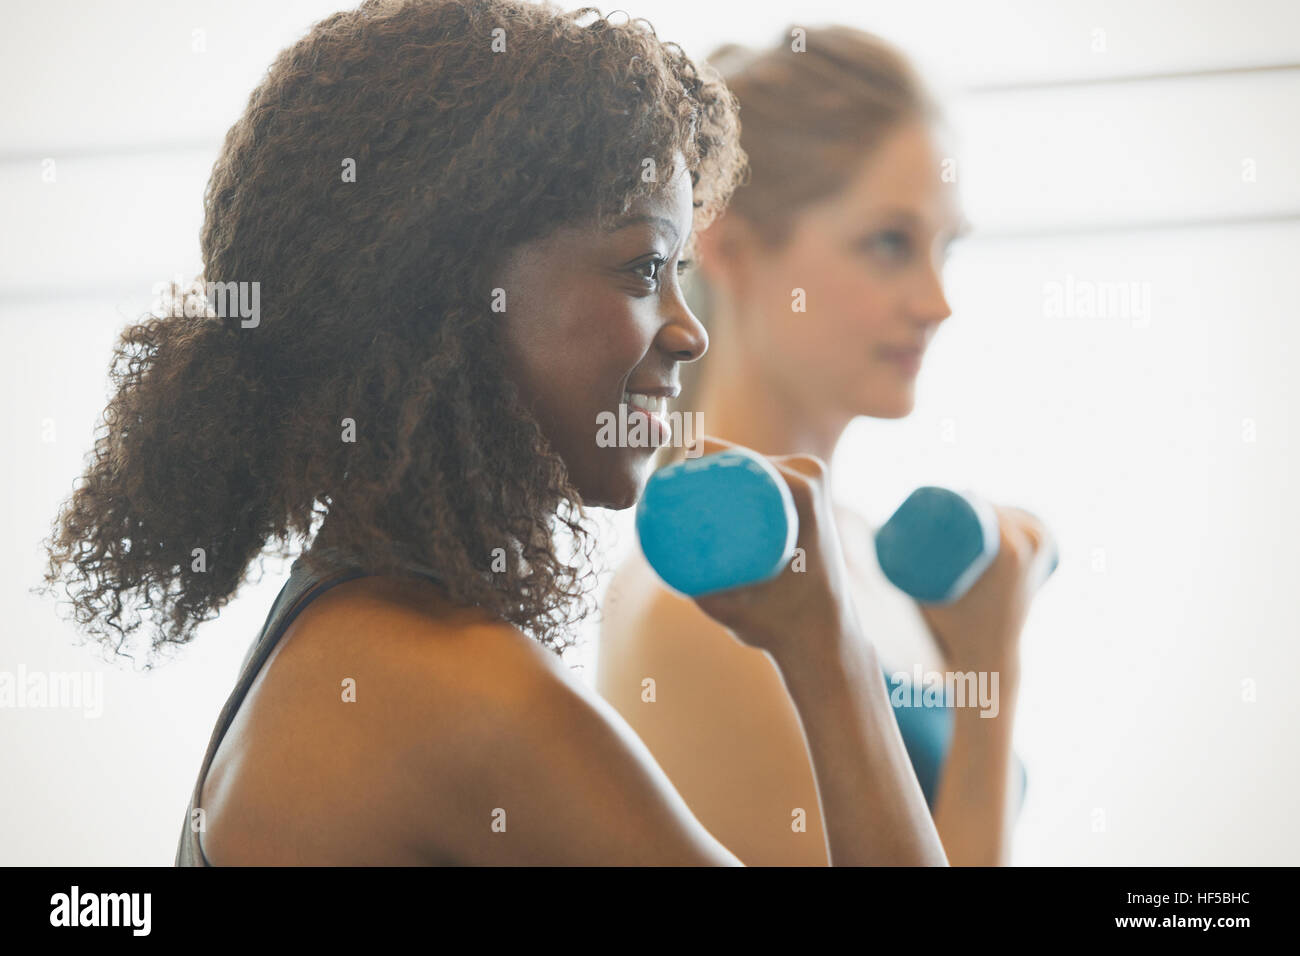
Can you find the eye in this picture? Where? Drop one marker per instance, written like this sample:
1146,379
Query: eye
654,265
657,263
893,244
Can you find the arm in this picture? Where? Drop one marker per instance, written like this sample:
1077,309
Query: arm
585,790
567,782
721,723
556,778
872,805
975,807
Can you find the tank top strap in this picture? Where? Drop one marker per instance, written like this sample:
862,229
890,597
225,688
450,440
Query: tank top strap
302,586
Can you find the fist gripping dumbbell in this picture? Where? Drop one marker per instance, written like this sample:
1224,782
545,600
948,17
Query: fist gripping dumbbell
717,522
728,520
939,542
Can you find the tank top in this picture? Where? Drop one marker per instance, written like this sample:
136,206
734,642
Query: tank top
926,730
298,591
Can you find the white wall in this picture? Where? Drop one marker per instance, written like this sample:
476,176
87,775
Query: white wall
1158,442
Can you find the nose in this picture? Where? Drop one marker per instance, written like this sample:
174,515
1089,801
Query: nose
682,335
930,304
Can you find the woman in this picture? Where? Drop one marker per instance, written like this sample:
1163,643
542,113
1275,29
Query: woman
466,219
846,204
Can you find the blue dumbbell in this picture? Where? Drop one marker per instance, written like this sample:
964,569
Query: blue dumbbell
717,522
727,520
939,542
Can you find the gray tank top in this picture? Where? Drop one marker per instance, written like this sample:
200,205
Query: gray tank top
298,591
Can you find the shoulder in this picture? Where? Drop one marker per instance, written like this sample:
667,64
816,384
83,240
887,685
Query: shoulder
366,724
649,630
428,657
486,724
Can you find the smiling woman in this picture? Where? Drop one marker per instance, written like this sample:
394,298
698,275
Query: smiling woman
472,431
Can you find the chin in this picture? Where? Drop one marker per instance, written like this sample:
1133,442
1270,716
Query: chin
890,406
619,486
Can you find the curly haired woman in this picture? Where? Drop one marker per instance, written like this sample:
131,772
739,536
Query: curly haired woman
466,220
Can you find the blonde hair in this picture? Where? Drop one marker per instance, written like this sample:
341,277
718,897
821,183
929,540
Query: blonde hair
808,119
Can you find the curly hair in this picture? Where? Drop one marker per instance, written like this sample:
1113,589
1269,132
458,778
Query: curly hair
471,126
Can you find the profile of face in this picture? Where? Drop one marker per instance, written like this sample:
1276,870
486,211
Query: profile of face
593,316
869,261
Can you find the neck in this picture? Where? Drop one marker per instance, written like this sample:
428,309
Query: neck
744,405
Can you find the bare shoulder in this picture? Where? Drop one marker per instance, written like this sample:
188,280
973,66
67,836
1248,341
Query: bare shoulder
393,728
502,755
649,629
360,726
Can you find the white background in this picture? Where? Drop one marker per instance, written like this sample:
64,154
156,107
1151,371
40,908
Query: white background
1160,448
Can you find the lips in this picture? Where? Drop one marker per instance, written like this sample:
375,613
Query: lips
653,404
902,351
650,397
908,358
651,400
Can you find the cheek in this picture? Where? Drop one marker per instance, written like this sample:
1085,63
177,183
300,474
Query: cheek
847,317
586,370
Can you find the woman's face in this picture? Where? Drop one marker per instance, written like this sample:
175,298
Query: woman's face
869,261
591,315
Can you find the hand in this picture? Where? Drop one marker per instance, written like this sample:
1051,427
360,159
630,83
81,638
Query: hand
796,608
981,631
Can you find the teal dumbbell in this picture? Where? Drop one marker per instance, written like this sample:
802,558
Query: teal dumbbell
717,522
727,520
939,542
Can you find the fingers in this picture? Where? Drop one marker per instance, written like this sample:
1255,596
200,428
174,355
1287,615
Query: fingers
810,466
804,474
708,445
1024,534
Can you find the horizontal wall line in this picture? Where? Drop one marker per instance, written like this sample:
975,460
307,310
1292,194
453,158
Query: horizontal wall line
81,291
31,155
109,151
1129,226
1015,86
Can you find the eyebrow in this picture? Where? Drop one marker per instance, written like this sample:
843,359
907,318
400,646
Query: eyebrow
960,230
663,221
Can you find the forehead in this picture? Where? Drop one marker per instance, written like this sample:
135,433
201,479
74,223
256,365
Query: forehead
669,213
670,208
904,174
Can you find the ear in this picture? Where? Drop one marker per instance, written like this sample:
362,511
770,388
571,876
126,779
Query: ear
723,251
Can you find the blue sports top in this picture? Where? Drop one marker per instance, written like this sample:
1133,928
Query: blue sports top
927,735
895,623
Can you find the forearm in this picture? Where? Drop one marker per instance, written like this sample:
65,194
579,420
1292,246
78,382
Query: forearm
873,810
973,806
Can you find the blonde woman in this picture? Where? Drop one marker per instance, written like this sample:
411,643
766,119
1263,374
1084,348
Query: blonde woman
845,201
